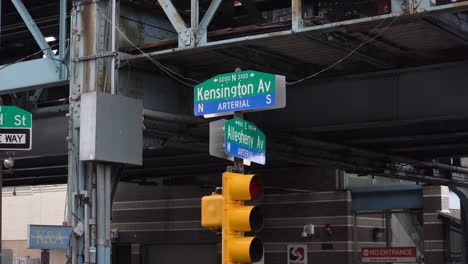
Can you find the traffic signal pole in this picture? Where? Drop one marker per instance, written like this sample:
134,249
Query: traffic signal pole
238,167
226,210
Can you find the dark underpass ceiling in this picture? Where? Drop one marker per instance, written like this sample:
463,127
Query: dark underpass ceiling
294,137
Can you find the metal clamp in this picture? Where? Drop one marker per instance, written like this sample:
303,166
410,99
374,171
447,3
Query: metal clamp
97,56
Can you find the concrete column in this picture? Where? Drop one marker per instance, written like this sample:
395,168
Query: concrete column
435,199
462,193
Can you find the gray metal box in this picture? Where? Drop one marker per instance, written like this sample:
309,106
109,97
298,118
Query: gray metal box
111,128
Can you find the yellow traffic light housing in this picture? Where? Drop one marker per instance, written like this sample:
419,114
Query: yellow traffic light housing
227,211
212,211
239,218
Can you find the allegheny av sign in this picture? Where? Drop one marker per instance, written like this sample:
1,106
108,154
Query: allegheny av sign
15,128
245,140
239,91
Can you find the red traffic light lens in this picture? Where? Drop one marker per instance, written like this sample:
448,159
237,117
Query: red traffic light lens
256,188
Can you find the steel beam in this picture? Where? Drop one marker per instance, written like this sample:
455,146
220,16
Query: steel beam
41,73
450,25
1,11
459,6
185,35
194,18
347,44
63,36
33,28
202,30
296,15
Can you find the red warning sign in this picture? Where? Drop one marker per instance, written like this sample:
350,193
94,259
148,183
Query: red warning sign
393,254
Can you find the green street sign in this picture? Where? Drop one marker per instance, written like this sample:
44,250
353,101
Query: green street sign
15,128
239,91
14,117
244,140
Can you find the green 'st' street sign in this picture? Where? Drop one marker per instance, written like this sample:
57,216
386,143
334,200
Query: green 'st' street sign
240,91
245,140
14,117
15,128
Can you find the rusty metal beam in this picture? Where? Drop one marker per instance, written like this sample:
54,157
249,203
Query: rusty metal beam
185,34
202,29
296,15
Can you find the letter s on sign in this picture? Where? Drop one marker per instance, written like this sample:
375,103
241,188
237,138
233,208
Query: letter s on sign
17,120
268,99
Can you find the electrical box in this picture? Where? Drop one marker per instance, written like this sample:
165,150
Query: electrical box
111,128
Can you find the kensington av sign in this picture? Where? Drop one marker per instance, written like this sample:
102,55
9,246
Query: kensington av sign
239,91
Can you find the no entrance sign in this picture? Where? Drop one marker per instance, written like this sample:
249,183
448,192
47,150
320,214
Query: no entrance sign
15,128
389,255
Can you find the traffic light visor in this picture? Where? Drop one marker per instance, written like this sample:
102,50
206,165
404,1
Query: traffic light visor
243,187
246,250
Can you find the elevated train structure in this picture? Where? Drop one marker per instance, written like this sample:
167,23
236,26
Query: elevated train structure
374,87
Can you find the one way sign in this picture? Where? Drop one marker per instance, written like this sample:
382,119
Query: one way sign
15,138
297,254
15,128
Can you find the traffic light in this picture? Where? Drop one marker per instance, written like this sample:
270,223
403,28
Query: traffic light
212,211
227,211
238,218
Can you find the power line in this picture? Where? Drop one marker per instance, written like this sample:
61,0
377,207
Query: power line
167,70
351,53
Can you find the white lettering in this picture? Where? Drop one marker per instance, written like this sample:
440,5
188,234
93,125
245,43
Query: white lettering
261,89
199,93
267,85
17,120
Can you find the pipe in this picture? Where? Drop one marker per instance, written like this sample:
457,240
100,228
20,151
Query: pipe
176,118
100,217
334,146
113,47
86,233
62,35
108,191
93,215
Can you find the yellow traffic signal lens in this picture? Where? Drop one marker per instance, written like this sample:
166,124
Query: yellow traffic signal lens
245,249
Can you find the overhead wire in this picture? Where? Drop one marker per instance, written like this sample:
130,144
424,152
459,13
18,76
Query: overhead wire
34,54
178,77
29,56
351,52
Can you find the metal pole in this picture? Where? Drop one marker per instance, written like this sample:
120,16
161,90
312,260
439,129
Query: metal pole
0,28
62,33
101,214
108,192
113,48
238,162
194,15
1,198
